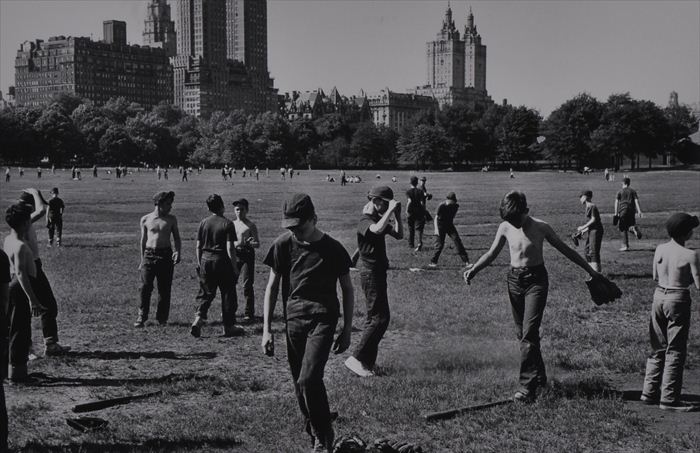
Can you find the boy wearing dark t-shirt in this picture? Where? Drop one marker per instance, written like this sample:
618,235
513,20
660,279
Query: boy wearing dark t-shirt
444,226
309,263
216,258
374,225
415,213
593,228
626,207
54,217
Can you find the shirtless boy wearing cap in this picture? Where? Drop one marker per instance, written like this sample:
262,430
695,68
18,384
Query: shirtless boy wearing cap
675,269
157,257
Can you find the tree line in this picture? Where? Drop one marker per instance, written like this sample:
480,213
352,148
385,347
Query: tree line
581,132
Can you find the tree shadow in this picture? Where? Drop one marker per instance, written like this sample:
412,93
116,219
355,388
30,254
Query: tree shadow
45,380
134,355
150,445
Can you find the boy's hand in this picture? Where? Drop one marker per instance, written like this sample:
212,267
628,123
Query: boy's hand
268,344
176,257
141,265
469,275
368,208
342,343
393,204
36,310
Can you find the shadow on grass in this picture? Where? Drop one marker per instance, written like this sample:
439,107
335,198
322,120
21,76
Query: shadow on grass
134,355
150,445
90,246
45,380
634,395
628,276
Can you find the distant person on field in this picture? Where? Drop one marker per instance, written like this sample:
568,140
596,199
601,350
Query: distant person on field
593,229
257,173
675,268
415,214
283,172
626,208
21,172
38,172
246,242
157,257
528,282
309,264
54,217
428,196
7,174
217,268
48,307
444,226
184,174
380,217
94,171
5,279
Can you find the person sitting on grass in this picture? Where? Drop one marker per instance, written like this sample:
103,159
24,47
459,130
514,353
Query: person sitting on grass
309,263
593,229
444,226
528,282
675,268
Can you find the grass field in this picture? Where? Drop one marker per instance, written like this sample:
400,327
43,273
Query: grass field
448,344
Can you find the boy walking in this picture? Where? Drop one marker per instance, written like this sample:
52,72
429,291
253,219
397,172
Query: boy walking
626,207
593,229
374,225
675,269
246,242
444,226
54,217
309,263
528,282
157,257
217,268
415,214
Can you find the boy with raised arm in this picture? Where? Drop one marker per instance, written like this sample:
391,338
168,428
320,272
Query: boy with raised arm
309,263
157,257
246,243
374,225
528,282
675,268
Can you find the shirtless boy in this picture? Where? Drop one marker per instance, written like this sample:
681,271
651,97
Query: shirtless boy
675,268
528,282
157,257
23,301
246,242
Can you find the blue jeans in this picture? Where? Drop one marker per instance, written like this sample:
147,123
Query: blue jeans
451,231
377,321
527,289
309,342
157,264
668,332
19,315
416,222
594,240
246,269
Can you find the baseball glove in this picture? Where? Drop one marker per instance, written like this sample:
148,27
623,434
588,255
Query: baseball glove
603,290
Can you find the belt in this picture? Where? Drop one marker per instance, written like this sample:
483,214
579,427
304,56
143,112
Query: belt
672,290
538,267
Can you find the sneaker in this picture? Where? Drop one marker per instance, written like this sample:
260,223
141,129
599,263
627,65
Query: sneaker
524,396
139,323
418,249
432,265
54,349
649,400
196,328
358,367
249,319
637,233
624,249
679,406
233,331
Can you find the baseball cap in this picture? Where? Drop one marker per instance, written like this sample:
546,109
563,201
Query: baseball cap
451,196
297,209
383,192
26,198
680,223
241,202
587,193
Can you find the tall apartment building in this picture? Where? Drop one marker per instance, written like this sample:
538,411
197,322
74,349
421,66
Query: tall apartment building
94,70
159,29
456,65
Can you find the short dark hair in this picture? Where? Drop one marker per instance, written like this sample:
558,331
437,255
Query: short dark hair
215,203
17,214
55,190
162,197
513,205
626,181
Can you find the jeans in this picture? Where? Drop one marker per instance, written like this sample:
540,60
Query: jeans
416,222
668,332
19,315
309,342
57,226
593,242
527,290
377,321
246,269
157,264
451,231
216,271
48,308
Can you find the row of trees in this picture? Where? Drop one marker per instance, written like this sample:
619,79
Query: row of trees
581,132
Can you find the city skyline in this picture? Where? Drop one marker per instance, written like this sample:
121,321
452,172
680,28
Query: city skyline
540,53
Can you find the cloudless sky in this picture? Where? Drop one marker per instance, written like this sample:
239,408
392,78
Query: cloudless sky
540,53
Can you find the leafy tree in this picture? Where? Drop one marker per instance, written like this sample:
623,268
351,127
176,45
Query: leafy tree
426,146
467,135
92,124
516,133
367,147
119,109
61,139
68,102
682,123
116,146
151,136
19,141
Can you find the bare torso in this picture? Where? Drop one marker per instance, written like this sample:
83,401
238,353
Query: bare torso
20,254
32,242
157,230
525,244
673,266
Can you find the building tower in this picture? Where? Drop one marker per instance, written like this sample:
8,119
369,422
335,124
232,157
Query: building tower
159,29
446,56
114,32
475,56
246,33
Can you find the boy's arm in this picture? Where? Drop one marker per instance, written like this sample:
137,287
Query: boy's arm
397,230
144,239
271,291
654,271
4,302
639,208
177,240
342,343
488,257
383,222
616,205
565,250
695,269
39,204
255,242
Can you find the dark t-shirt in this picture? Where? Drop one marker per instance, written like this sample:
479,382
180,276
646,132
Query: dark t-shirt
4,268
372,246
310,273
4,279
592,212
417,198
626,203
214,232
446,213
55,207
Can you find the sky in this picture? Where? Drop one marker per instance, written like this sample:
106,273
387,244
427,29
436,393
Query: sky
539,53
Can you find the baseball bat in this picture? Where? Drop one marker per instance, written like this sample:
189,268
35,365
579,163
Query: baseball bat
444,415
103,404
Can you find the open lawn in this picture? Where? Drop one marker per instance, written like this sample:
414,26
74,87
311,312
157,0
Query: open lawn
448,345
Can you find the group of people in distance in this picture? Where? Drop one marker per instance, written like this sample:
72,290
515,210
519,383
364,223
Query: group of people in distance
306,264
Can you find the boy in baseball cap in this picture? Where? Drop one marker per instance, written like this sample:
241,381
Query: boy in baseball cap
444,226
675,269
309,263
